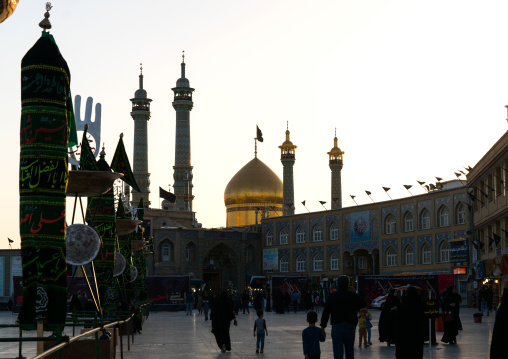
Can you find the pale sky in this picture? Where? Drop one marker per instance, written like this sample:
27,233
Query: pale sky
416,89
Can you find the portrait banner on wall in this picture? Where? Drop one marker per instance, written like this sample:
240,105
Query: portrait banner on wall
360,226
270,259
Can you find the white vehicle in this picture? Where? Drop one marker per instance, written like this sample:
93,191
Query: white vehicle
380,301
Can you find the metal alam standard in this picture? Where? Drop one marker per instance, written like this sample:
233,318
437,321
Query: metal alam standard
46,118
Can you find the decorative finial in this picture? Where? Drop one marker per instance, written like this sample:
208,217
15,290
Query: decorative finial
183,56
121,135
86,126
103,152
287,125
141,68
335,131
45,24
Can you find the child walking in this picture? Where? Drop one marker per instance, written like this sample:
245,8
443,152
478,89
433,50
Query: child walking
362,328
368,318
260,330
311,336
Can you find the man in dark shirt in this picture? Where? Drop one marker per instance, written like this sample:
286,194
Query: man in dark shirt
343,305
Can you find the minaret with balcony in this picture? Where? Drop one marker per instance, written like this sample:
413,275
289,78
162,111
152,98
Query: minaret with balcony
335,163
141,114
287,157
182,174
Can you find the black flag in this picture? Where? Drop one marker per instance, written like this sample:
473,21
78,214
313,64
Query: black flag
352,196
386,189
407,186
368,193
303,203
322,202
475,245
439,178
259,134
421,182
167,195
497,238
492,189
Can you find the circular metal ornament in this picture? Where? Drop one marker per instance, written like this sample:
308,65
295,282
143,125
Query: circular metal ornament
120,264
7,7
134,273
83,244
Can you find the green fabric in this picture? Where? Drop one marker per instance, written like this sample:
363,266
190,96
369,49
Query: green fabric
46,115
141,211
120,163
120,211
87,160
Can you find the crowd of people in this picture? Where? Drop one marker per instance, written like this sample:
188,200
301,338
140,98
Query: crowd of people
402,322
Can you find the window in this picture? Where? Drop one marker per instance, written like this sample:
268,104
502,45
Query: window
408,222
167,252
190,253
444,216
269,238
444,252
409,255
284,236
318,263
300,263
334,232
284,264
390,224
461,214
361,262
425,219
334,262
426,254
317,234
300,235
391,257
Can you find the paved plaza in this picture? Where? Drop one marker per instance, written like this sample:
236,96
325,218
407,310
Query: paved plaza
175,335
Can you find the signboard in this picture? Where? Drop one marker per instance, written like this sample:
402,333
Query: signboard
270,259
373,286
459,252
459,270
168,293
360,226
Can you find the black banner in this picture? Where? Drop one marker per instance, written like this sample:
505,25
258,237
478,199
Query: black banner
290,284
167,293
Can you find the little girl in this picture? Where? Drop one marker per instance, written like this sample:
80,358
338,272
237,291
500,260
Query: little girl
362,328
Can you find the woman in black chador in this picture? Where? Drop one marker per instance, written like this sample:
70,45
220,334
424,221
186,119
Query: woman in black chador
409,327
222,314
388,316
451,303
499,344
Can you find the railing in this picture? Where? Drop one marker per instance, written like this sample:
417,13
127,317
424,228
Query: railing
98,323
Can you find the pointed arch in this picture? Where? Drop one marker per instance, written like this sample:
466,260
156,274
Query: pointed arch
317,233
317,263
460,213
443,216
390,257
408,220
334,261
390,224
301,263
334,231
425,219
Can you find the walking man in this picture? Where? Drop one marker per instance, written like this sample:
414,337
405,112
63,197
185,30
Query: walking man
343,306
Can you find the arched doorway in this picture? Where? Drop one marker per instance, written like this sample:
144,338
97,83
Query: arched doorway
220,268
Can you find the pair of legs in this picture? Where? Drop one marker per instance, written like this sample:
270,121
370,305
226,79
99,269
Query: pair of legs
362,334
484,305
368,336
260,341
343,340
295,305
189,309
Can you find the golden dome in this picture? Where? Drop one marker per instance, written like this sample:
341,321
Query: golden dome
254,183
335,152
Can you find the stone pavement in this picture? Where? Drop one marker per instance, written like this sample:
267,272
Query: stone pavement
175,335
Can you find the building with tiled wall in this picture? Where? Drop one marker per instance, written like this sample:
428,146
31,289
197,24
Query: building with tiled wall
488,181
422,234
10,266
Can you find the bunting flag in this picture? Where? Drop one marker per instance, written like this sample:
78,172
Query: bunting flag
322,202
259,134
472,196
491,240
120,163
457,174
141,210
469,168
407,186
485,194
368,193
492,189
427,187
461,172
352,197
386,189
499,178
481,244
439,179
432,187
505,232
469,207
87,160
421,182
167,195
497,238
46,124
475,245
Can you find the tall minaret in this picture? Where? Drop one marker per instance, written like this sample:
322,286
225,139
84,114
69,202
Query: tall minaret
287,157
335,164
141,114
182,169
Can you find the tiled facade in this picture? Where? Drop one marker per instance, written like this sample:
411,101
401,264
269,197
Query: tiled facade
402,236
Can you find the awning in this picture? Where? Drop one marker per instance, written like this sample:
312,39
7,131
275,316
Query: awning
500,265
457,240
